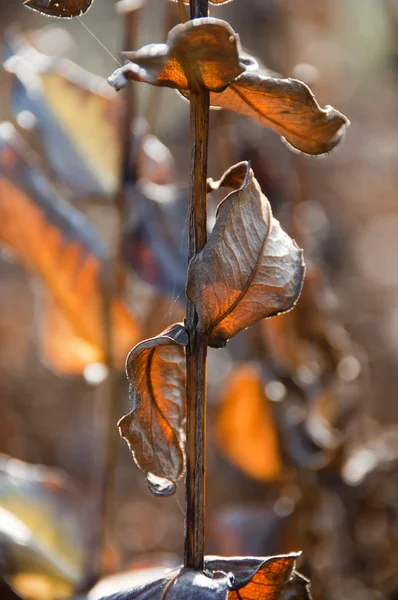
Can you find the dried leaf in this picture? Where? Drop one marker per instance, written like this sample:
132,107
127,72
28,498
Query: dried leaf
155,241
287,106
249,269
56,242
154,427
76,115
237,578
245,428
207,52
60,8
200,52
62,349
33,537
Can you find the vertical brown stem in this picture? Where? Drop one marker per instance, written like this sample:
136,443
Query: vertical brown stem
197,349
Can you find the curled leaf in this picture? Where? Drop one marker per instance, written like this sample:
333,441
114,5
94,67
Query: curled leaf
154,427
245,429
249,269
200,52
236,578
287,106
60,8
207,52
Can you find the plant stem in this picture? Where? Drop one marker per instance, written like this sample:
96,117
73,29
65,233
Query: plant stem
197,348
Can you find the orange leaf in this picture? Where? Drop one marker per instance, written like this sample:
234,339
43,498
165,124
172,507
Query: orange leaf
237,578
287,106
56,242
249,268
154,427
206,52
200,52
245,429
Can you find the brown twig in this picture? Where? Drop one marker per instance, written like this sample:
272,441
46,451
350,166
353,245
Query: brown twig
197,349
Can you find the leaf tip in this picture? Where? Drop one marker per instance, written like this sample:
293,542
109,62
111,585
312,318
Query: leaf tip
160,486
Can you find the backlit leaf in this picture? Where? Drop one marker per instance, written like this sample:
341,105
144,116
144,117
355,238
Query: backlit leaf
245,428
34,540
236,578
200,52
287,106
60,8
154,428
207,52
76,114
249,269
57,242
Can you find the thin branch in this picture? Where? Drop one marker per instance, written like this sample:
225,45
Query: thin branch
197,349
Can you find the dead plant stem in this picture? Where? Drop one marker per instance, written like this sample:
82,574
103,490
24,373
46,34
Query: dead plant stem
197,348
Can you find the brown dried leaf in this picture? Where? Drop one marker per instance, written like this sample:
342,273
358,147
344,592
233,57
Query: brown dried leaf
206,52
60,8
245,429
249,269
154,427
200,52
55,242
237,578
287,106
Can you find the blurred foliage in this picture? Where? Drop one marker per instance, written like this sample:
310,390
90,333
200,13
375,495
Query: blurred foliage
323,376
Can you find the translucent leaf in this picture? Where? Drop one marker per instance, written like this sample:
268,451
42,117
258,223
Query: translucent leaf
76,114
200,52
33,537
287,106
60,8
236,578
154,428
249,269
245,429
56,242
207,52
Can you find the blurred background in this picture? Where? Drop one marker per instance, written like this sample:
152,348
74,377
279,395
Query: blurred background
302,415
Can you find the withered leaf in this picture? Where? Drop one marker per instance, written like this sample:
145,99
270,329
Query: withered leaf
76,115
249,269
237,578
207,52
33,537
245,428
154,427
200,52
60,8
56,242
287,106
